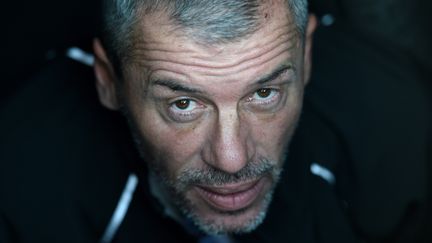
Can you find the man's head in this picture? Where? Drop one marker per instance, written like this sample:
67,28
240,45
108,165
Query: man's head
212,90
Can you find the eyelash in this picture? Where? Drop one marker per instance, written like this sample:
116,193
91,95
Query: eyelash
275,96
179,115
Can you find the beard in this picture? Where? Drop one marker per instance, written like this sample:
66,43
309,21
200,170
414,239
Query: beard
176,190
173,190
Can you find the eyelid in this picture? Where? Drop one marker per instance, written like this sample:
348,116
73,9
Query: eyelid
267,99
174,104
184,116
276,83
171,102
271,103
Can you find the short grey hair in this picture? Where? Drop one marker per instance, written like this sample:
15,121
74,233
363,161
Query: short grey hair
210,21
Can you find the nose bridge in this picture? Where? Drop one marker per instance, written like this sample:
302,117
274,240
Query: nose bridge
228,144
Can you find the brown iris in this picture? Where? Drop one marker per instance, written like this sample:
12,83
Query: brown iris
182,104
264,93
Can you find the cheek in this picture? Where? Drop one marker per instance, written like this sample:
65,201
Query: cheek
170,148
161,146
275,131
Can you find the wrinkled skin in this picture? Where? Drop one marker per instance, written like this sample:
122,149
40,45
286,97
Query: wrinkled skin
223,114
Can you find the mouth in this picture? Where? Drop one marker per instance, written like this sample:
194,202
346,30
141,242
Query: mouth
231,197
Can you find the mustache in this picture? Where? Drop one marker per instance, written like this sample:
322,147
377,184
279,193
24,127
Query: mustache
211,176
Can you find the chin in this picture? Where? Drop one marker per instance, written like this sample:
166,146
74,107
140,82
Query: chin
213,221
232,223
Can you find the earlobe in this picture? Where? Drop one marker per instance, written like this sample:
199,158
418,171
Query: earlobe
105,77
312,24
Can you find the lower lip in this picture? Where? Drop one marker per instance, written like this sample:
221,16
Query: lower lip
233,201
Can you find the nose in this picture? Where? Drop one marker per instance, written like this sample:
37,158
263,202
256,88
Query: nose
228,148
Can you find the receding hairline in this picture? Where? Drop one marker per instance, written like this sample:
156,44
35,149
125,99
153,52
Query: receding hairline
123,21
160,17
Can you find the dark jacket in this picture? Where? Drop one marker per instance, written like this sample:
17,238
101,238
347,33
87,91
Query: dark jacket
65,162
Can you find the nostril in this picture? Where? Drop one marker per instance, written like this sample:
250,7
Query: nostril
230,156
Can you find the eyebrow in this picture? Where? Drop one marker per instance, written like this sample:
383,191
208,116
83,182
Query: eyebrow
275,74
177,86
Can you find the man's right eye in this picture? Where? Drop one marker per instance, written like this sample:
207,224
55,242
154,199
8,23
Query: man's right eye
184,105
185,110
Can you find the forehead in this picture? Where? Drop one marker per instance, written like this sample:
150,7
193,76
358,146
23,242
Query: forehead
220,14
160,27
162,46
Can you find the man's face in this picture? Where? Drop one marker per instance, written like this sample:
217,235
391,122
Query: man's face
213,122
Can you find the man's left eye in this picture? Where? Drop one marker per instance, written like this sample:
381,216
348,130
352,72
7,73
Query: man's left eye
264,94
265,99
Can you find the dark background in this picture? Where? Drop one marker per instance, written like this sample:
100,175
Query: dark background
34,31
371,82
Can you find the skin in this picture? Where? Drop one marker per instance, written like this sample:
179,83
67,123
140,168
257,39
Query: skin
224,107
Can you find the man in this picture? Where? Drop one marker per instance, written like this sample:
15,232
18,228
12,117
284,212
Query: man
212,92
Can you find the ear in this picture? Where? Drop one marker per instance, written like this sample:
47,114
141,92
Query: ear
312,23
105,77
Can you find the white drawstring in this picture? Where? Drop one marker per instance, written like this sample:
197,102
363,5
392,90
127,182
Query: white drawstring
81,56
323,172
121,209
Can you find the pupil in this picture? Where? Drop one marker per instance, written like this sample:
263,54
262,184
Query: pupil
264,93
182,104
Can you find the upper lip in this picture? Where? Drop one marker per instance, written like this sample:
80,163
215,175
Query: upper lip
230,188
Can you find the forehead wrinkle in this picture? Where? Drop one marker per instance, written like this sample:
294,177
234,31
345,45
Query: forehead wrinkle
213,69
243,66
188,80
148,49
271,58
246,55
157,24
178,66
